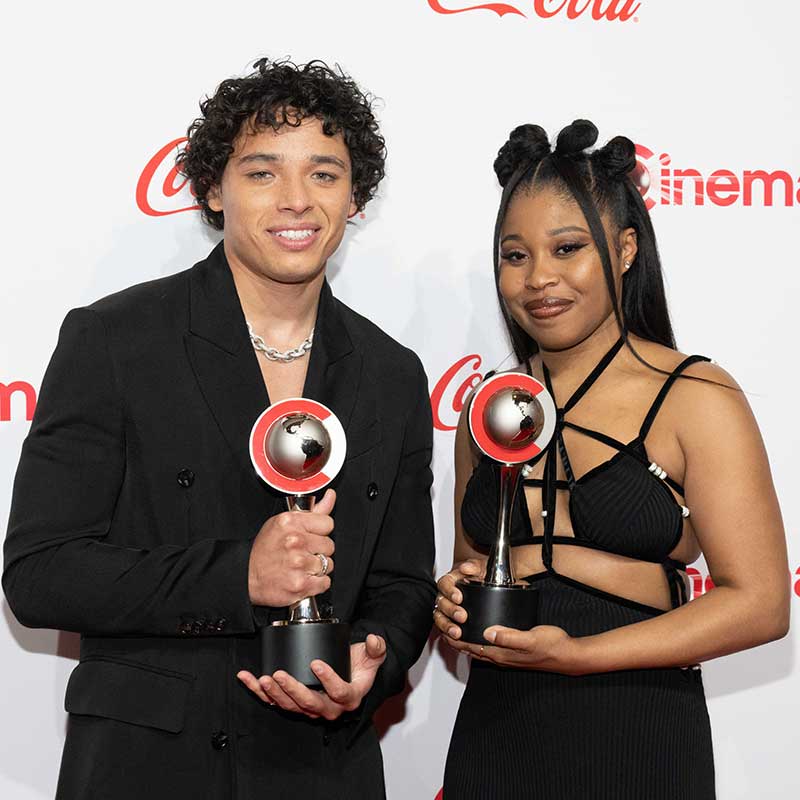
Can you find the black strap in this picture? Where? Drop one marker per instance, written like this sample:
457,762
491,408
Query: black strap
540,482
590,378
677,588
667,385
549,505
626,448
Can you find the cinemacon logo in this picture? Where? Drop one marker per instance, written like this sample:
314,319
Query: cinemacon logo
610,10
161,190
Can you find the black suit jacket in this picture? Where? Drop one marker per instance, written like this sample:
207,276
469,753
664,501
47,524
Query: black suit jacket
133,514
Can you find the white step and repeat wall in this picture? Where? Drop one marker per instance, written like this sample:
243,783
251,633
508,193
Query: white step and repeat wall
97,97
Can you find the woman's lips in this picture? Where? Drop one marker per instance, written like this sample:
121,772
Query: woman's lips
547,307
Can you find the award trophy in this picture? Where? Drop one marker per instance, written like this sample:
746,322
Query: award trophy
297,446
511,419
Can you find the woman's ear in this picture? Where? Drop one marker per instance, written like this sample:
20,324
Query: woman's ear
628,247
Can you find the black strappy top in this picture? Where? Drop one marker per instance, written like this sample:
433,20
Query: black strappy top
621,506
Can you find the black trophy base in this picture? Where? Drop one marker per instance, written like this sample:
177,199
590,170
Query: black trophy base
292,646
514,606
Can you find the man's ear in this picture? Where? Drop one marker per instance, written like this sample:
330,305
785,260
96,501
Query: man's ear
353,206
214,198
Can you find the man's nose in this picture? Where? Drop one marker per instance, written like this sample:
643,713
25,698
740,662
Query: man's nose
294,195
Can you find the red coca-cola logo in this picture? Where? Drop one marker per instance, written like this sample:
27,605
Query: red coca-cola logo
25,392
610,10
161,190
452,389
662,184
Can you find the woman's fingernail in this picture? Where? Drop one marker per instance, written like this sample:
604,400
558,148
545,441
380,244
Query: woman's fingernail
491,635
452,632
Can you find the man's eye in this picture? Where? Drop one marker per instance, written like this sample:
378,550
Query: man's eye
259,175
325,177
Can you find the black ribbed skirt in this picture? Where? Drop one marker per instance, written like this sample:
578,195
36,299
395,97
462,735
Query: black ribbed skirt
631,735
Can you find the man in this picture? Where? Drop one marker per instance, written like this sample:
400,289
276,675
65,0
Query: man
138,520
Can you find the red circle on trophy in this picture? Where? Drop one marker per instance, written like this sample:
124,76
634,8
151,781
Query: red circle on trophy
297,446
512,417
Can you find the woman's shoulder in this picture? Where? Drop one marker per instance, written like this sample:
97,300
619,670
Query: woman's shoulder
706,390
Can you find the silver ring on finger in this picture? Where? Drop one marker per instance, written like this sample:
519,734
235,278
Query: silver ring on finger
323,565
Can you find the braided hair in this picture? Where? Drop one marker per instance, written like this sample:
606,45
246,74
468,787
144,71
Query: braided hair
599,181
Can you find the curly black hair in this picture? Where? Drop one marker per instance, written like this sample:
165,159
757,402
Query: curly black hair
280,93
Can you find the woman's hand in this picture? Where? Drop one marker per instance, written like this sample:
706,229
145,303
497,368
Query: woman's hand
544,647
447,613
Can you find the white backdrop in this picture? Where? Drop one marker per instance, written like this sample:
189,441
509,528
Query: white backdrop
93,91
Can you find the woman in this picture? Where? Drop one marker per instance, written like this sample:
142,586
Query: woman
656,459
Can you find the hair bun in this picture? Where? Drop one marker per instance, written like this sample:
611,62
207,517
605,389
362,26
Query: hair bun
576,138
617,157
526,145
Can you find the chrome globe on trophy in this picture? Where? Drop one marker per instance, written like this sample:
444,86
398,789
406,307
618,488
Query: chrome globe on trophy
297,446
511,419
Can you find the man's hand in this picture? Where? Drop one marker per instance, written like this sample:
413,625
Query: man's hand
337,697
284,567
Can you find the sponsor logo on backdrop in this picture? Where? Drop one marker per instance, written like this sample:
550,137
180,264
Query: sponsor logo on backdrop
27,400
161,190
452,389
662,184
609,10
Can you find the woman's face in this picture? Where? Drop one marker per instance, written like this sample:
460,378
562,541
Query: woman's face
551,276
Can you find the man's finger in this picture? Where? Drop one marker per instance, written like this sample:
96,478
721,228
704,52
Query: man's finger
251,682
376,646
333,684
307,700
325,506
275,691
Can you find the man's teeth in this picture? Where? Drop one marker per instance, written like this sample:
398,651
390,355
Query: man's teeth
302,234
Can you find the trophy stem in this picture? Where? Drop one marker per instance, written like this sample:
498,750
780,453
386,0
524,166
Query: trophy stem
304,610
498,569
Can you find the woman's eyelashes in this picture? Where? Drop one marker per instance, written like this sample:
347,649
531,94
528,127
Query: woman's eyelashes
568,248
563,250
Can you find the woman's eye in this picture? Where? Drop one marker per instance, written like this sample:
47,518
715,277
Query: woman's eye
569,247
514,256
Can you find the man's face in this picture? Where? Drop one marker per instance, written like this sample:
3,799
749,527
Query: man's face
286,196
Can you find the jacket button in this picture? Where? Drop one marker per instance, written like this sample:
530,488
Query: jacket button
219,740
185,478
372,491
326,739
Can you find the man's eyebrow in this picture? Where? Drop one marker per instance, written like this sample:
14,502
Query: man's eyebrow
274,157
329,160
268,157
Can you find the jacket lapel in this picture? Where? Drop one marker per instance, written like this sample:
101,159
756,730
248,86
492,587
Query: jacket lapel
222,356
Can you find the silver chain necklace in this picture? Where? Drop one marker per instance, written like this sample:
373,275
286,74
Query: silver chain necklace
273,354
